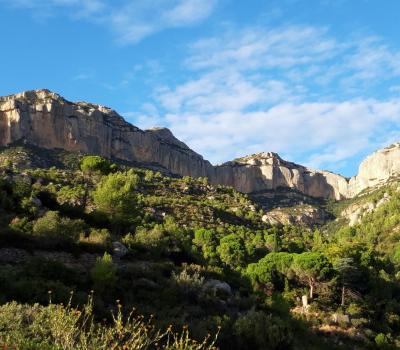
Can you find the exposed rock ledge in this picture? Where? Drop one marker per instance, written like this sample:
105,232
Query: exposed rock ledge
47,120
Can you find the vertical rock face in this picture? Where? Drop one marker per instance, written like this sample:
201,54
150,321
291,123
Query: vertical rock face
376,169
47,120
267,171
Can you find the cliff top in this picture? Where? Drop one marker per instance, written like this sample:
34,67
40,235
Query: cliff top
46,95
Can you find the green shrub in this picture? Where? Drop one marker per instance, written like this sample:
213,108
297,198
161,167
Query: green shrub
55,327
382,341
232,251
53,226
99,237
96,164
189,279
257,330
104,274
115,196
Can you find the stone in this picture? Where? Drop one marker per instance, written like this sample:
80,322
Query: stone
305,215
304,302
218,286
340,319
36,201
119,250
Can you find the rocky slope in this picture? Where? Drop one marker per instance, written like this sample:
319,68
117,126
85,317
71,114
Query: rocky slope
45,119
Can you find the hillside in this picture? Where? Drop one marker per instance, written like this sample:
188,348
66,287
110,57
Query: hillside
193,254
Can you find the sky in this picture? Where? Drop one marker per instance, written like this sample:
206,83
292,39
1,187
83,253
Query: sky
317,81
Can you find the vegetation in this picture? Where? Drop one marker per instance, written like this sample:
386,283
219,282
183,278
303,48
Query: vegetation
198,257
56,327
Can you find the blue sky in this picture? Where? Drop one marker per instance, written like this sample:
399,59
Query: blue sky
317,81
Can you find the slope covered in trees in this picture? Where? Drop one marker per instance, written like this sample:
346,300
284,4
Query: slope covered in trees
197,257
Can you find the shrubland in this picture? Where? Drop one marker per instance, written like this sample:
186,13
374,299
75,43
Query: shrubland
197,257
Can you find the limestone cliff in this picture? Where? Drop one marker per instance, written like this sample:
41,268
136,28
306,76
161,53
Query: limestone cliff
376,169
267,171
47,120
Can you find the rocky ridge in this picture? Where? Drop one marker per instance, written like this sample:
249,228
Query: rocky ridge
45,119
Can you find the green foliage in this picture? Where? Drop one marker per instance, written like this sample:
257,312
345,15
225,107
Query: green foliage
189,279
232,251
104,274
115,196
258,330
270,270
151,238
55,327
311,267
311,264
183,232
55,227
100,237
96,164
207,240
382,341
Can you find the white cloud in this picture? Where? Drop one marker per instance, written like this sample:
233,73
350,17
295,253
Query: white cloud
223,90
132,21
257,48
304,54
187,12
46,8
137,20
330,132
293,90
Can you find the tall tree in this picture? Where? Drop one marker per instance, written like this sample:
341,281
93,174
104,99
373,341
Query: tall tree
311,267
115,196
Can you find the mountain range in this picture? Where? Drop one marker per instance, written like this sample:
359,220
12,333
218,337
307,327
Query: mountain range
45,119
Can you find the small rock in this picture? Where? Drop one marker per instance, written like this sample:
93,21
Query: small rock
217,285
340,318
36,201
119,250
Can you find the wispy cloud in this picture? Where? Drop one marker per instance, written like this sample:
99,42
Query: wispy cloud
319,134
137,20
300,54
295,90
81,76
47,8
131,21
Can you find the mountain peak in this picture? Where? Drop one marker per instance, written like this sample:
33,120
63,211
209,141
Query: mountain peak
261,158
32,95
45,119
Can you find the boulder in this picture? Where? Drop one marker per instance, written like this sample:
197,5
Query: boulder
119,250
218,286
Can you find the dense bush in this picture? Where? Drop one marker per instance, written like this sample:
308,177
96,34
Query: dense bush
54,227
115,197
96,164
258,330
104,274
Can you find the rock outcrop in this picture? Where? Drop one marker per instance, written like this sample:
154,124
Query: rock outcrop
376,169
267,171
45,119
